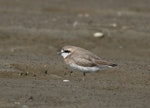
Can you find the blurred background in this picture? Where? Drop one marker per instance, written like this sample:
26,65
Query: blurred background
32,31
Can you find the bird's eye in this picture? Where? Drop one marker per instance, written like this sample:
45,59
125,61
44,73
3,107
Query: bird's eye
66,51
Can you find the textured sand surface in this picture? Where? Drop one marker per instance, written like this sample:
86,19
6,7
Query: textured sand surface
32,31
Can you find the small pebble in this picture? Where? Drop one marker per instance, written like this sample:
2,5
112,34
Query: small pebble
114,25
98,35
66,80
75,23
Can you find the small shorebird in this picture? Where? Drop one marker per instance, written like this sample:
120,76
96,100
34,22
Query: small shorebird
83,60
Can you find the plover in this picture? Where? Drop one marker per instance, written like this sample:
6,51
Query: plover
83,60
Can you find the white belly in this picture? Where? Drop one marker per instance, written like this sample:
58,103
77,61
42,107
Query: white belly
86,69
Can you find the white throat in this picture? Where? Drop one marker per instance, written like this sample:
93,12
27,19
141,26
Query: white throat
65,54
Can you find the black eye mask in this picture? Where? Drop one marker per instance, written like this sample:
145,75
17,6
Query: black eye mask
66,51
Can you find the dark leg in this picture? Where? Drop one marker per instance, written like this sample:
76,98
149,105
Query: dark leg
71,73
83,76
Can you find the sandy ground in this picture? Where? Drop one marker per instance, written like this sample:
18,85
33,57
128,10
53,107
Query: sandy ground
32,31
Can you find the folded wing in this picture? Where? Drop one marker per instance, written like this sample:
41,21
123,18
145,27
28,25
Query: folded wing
92,61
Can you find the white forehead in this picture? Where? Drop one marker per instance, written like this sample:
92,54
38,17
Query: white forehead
62,50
